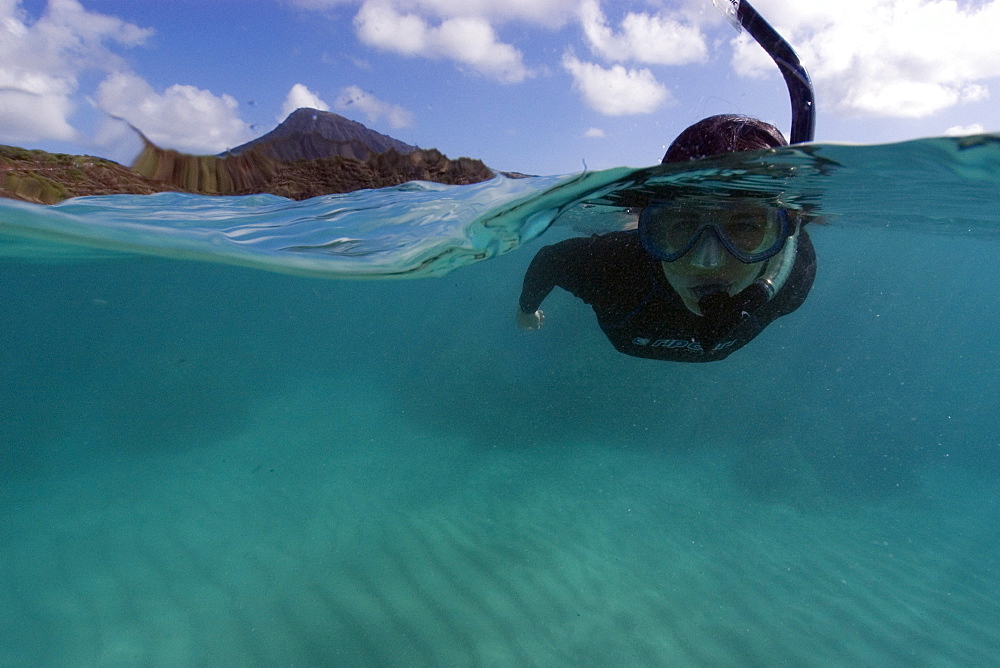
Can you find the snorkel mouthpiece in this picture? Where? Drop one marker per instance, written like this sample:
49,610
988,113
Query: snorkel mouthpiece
722,313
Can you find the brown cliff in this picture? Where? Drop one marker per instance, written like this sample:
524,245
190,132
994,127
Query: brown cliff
47,178
252,171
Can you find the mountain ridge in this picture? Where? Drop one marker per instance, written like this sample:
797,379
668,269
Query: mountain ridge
309,134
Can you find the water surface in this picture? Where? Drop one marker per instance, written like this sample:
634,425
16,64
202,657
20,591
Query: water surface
203,463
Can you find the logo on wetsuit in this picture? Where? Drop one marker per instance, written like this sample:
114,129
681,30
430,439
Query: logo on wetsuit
693,346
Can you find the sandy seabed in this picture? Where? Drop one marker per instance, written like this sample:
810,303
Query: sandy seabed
324,536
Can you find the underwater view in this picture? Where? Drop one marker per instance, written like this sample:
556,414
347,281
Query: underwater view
203,463
282,392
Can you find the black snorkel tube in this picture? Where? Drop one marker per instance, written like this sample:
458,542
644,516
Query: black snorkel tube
724,312
800,91
741,14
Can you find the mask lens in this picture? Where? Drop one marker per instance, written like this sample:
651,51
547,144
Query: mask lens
751,231
678,229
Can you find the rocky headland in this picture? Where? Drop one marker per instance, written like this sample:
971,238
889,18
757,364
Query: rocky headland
311,153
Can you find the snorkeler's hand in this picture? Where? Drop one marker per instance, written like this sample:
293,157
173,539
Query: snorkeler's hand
529,322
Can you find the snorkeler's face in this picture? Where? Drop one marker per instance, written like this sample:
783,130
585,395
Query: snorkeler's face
708,267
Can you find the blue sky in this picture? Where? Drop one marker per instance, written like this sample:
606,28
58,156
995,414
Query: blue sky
538,86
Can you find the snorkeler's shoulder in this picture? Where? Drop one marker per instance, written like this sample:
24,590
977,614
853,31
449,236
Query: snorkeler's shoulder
805,260
607,247
613,256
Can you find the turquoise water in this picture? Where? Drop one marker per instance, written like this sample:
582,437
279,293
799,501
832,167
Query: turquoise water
209,464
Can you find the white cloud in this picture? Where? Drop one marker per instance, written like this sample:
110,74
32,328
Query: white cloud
961,130
974,93
644,38
373,108
596,133
298,97
892,58
41,64
380,25
616,91
26,117
549,13
184,118
469,40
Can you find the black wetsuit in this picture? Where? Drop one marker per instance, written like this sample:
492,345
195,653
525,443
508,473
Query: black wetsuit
636,307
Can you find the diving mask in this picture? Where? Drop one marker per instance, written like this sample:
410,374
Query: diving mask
749,231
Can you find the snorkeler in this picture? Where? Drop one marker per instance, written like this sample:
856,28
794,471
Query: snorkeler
699,278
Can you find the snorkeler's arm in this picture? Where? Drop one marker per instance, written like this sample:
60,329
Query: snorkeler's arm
595,269
552,265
